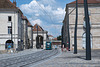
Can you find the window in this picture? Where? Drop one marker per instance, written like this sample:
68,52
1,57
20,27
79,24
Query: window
9,30
9,18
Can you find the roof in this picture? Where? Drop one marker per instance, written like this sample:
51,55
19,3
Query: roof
29,24
55,39
39,28
50,35
7,4
89,2
25,18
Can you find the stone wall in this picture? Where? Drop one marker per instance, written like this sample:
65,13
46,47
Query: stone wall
95,26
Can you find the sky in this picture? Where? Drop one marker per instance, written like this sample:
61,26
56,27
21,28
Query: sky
49,14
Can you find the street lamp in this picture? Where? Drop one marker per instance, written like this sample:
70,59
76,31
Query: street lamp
75,33
37,29
11,31
88,44
37,38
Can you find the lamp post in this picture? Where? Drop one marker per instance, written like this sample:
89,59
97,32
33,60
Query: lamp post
75,33
11,31
37,39
62,35
68,33
88,44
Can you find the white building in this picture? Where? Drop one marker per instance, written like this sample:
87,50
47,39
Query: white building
39,37
10,18
30,35
50,37
25,32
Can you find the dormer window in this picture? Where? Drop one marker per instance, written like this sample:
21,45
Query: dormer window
9,18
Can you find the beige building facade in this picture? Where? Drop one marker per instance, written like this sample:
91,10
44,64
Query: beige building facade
39,37
94,15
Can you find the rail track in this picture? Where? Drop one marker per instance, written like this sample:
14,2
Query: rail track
25,60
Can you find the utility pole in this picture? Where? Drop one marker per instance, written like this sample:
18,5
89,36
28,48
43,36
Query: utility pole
37,38
68,33
37,29
62,35
11,31
88,44
75,33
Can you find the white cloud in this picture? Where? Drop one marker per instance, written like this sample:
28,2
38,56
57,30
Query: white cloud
37,21
44,10
36,14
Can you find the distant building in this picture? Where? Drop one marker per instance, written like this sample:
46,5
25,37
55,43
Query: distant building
39,37
50,37
54,38
94,15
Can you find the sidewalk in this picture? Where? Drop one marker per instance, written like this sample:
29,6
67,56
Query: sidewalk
20,53
68,59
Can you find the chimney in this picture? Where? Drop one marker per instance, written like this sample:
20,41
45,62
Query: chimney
14,2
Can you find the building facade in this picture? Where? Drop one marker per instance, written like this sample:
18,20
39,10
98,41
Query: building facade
14,26
39,37
94,15
30,35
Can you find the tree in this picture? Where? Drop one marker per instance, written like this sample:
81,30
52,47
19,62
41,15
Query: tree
59,37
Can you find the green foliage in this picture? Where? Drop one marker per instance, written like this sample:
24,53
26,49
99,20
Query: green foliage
59,37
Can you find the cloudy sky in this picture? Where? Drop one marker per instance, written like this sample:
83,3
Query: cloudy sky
49,14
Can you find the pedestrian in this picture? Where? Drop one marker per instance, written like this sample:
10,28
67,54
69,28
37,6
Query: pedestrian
55,46
67,48
62,47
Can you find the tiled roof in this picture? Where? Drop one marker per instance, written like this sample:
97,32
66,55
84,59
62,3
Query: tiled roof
29,24
7,4
89,2
39,28
55,39
50,35
25,18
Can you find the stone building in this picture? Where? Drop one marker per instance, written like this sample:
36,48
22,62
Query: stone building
39,37
25,32
14,26
50,37
69,22
30,35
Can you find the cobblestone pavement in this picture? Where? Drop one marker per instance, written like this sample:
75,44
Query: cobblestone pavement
20,53
25,60
68,59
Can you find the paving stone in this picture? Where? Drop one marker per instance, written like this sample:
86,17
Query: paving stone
68,59
22,60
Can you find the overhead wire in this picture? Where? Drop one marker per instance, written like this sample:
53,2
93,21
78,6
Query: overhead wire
48,15
45,12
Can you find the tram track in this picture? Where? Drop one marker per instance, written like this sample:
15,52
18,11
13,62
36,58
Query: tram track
22,61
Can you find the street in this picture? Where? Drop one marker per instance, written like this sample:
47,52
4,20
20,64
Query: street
50,58
68,59
26,60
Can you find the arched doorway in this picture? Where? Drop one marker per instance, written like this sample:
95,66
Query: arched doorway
39,42
84,40
9,43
